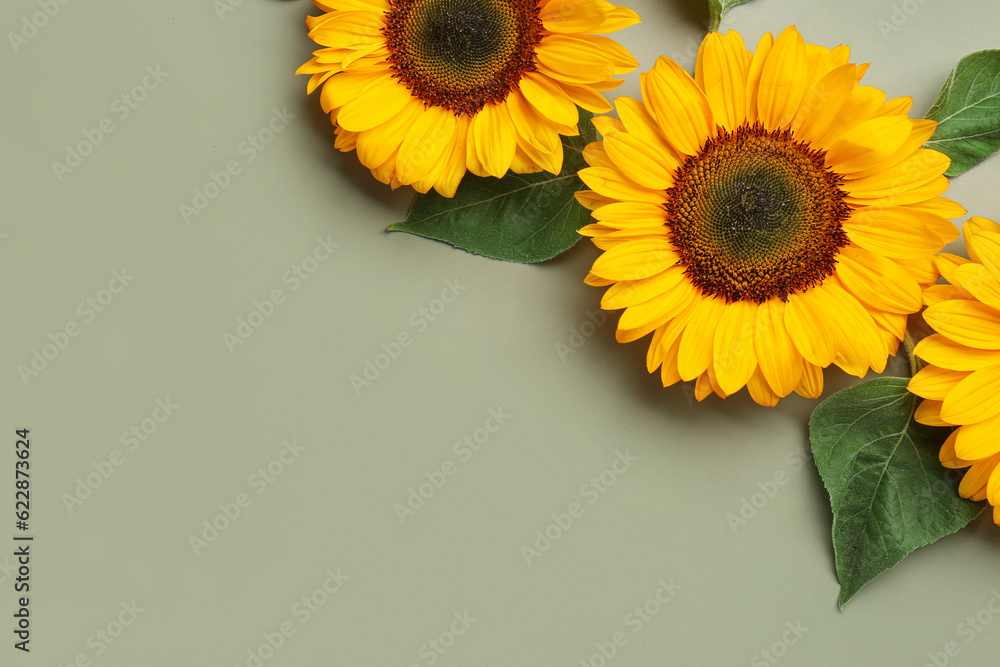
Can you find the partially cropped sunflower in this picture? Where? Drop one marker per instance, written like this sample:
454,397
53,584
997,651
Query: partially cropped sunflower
961,386
428,89
766,218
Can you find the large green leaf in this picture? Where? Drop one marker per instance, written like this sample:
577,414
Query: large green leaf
716,9
967,111
888,491
520,217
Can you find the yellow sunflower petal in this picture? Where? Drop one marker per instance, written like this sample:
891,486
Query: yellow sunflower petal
636,260
872,140
936,294
622,60
376,145
806,321
897,232
877,281
733,358
455,165
929,413
622,215
757,61
973,484
495,139
591,200
978,281
917,170
940,351
429,137
984,247
760,391
845,112
668,367
942,206
695,354
596,155
979,440
860,344
631,292
782,80
640,124
968,323
780,361
947,455
934,383
721,71
612,183
573,60
549,98
618,19
811,384
348,28
664,306
587,97
993,492
822,104
639,161
569,16
678,105
378,103
974,399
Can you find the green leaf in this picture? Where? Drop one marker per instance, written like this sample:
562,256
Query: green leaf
520,217
967,111
716,9
888,491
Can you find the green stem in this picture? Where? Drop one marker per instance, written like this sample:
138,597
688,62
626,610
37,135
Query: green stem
915,362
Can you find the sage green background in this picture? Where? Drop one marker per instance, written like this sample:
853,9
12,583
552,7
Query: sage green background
495,347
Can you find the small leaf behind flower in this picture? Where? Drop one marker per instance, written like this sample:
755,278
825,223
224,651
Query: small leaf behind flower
520,218
888,491
967,111
716,9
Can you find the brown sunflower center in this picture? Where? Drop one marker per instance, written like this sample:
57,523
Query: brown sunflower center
462,54
756,215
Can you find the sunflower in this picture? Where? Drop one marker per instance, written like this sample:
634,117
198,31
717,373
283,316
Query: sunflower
428,89
765,218
961,384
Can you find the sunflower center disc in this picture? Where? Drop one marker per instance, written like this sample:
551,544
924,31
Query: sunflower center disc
756,215
462,54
